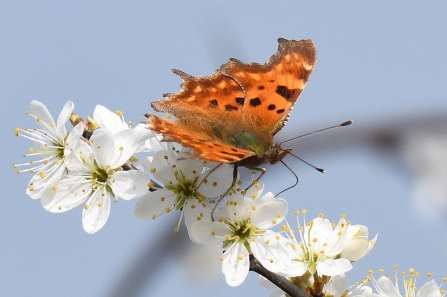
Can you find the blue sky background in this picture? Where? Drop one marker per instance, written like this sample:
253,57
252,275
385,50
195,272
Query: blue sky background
377,62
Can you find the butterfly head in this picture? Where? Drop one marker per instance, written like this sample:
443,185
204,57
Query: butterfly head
273,155
276,153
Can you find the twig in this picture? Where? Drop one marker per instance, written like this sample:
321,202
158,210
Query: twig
280,281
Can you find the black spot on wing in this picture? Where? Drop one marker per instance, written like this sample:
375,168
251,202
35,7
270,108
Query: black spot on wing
280,111
255,102
230,107
285,92
214,103
261,88
240,101
271,107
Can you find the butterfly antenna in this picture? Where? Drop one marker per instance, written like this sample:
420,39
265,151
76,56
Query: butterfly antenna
240,85
296,179
347,123
305,162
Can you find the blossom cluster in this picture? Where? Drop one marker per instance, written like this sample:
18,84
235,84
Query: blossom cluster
385,287
104,158
74,169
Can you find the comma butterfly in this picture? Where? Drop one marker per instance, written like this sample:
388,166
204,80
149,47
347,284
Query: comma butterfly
232,115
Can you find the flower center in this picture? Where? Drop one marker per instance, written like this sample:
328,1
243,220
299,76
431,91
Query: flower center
243,232
100,175
185,189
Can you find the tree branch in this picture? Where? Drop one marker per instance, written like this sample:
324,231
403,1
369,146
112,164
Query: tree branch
280,281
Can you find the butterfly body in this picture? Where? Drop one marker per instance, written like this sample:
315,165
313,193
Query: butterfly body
232,115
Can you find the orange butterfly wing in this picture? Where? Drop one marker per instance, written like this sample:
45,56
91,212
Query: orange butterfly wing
272,88
256,98
205,146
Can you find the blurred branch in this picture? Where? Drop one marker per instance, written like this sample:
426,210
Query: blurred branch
380,132
144,270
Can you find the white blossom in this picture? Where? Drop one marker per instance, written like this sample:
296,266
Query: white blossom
97,177
187,185
242,225
114,122
358,244
52,143
384,287
319,248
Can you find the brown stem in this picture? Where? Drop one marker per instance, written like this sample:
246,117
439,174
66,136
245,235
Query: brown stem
280,281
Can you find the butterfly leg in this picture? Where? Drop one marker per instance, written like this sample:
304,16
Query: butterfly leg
256,180
209,172
221,197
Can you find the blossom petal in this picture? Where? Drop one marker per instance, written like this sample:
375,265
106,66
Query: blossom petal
109,120
155,144
269,215
161,167
125,146
333,267
270,252
296,268
256,191
96,211
357,244
154,204
362,291
239,208
220,213
189,168
431,289
129,184
67,194
195,210
81,159
338,285
170,166
54,173
72,140
321,229
386,287
235,264
102,146
146,162
63,118
205,232
39,110
337,238
112,151
217,182
142,135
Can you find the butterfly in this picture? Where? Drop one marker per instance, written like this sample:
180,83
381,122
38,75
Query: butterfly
233,115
